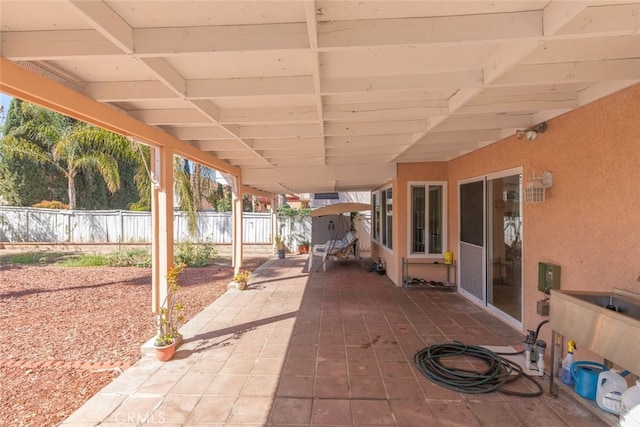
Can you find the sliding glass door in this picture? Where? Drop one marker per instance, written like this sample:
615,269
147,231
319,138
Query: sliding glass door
491,242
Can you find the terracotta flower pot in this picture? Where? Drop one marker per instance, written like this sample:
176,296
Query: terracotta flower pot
303,249
166,352
241,285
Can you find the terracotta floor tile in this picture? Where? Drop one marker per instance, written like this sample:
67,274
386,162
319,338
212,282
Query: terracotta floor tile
261,385
454,413
367,387
372,413
331,412
410,413
226,385
495,414
364,367
287,411
250,410
296,386
332,368
212,409
336,352
331,388
403,388
395,368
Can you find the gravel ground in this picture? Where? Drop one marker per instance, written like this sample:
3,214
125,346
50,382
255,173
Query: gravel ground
54,315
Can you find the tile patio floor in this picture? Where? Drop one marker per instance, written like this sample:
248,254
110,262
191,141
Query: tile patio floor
330,348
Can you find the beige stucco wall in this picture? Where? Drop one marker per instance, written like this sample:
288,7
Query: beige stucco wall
590,222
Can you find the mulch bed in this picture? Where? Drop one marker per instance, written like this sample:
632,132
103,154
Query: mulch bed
68,331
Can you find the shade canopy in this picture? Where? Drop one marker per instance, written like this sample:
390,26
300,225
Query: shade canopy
340,208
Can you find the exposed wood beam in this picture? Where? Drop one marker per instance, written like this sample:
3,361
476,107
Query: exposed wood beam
29,86
107,22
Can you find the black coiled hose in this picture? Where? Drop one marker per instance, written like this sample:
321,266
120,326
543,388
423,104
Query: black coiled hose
498,373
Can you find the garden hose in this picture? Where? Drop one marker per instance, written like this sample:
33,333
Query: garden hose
499,372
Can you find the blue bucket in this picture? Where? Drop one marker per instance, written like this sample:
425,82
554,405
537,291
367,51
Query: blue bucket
585,375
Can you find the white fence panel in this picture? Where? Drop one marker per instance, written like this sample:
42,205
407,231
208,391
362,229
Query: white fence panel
20,224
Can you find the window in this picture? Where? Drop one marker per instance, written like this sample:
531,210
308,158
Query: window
376,216
387,237
427,221
383,217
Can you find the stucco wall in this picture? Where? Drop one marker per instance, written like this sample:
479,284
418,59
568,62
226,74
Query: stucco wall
590,222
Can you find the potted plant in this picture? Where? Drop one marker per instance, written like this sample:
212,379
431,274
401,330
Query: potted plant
170,317
241,279
279,246
303,247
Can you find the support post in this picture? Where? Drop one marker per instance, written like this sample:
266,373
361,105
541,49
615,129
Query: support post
236,197
161,223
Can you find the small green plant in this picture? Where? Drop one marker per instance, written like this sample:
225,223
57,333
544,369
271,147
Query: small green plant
195,255
242,278
172,311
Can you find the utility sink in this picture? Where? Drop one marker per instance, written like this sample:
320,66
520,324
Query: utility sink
607,323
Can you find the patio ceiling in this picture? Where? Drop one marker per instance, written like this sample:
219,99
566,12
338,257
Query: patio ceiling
314,96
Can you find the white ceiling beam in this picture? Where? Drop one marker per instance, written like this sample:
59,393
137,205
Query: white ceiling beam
128,91
603,89
375,112
453,137
446,29
606,19
198,133
253,86
309,177
168,75
454,79
463,123
284,144
280,131
618,69
208,109
363,142
310,12
292,153
224,38
107,22
170,117
489,105
216,145
557,14
50,45
307,114
307,161
375,128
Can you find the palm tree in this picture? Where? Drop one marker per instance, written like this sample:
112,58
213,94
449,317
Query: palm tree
69,146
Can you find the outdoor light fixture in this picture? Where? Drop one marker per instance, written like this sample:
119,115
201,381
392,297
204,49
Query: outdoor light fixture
532,133
534,192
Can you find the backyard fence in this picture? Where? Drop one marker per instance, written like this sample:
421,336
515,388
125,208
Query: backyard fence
20,224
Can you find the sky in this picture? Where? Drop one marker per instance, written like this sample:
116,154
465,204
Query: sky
5,100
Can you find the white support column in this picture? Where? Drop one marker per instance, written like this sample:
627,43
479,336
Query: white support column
161,223
236,244
274,222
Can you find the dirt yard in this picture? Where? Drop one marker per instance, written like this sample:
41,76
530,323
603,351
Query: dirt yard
66,332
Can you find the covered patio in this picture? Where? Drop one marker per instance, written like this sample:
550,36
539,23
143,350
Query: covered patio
321,348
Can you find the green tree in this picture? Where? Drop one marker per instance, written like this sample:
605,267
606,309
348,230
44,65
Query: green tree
67,146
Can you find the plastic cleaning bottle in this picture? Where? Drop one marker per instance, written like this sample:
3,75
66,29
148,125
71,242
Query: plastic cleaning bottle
566,376
629,400
611,385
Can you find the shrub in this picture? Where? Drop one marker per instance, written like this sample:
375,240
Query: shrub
51,204
195,255
130,258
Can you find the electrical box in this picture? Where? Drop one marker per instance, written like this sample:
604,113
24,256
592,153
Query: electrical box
548,277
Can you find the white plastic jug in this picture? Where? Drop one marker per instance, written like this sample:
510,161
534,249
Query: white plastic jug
611,385
630,399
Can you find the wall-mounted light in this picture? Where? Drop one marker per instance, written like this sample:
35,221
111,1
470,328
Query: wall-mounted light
532,133
534,192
